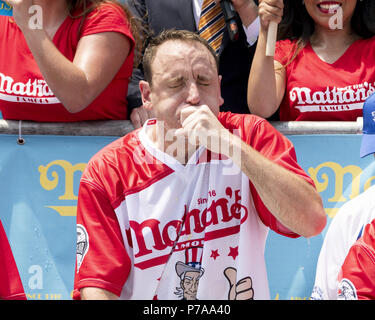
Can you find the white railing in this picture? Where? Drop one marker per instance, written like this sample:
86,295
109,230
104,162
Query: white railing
121,127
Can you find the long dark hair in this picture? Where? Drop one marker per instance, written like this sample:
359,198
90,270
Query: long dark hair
81,8
298,25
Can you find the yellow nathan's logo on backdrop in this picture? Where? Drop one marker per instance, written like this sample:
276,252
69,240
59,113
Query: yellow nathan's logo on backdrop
329,177
62,173
336,184
5,9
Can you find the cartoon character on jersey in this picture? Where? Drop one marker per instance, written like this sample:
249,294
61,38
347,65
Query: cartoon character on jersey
189,273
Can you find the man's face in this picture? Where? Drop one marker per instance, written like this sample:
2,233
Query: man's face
190,285
183,74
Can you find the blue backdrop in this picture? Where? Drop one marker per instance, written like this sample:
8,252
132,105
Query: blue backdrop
39,188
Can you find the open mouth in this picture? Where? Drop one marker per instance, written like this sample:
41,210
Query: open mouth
329,6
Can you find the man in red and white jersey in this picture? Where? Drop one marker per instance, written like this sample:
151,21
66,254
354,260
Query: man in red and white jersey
11,287
348,224
357,274
181,208
356,277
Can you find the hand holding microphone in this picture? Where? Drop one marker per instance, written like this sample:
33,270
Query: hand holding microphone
230,19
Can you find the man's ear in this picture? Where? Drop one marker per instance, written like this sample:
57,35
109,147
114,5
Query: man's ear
221,100
145,89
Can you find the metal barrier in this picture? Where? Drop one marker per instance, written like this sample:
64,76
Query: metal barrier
121,127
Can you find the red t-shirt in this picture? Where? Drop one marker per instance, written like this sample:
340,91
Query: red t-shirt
25,95
320,91
10,283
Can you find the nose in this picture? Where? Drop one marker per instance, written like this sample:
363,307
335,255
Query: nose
193,95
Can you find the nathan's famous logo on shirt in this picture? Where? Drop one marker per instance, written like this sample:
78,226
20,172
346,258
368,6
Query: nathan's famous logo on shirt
33,91
226,214
5,9
331,99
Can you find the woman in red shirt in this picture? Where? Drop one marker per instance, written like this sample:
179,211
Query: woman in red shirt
66,60
324,64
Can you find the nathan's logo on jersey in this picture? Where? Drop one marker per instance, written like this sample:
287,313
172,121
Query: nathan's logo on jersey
332,99
346,290
82,244
221,212
33,91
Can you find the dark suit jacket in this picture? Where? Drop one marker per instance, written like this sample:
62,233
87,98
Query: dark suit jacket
235,57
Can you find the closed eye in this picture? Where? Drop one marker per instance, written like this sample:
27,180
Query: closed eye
176,82
204,81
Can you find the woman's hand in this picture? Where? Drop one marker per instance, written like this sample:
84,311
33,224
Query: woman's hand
270,10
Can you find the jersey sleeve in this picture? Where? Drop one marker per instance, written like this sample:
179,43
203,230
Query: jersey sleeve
357,274
11,287
101,258
107,18
276,147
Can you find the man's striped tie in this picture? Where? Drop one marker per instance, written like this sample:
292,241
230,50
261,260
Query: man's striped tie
211,24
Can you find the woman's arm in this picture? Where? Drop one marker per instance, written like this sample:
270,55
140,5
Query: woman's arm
97,60
76,84
266,86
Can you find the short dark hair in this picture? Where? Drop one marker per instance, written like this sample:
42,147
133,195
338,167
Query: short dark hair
171,35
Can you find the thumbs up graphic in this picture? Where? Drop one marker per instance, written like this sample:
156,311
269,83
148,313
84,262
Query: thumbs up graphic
241,290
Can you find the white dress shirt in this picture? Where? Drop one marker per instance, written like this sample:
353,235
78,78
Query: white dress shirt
252,31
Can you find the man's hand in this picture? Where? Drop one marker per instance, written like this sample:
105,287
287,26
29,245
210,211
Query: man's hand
140,115
202,127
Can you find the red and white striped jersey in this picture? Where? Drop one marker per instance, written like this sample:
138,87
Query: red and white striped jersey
149,227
